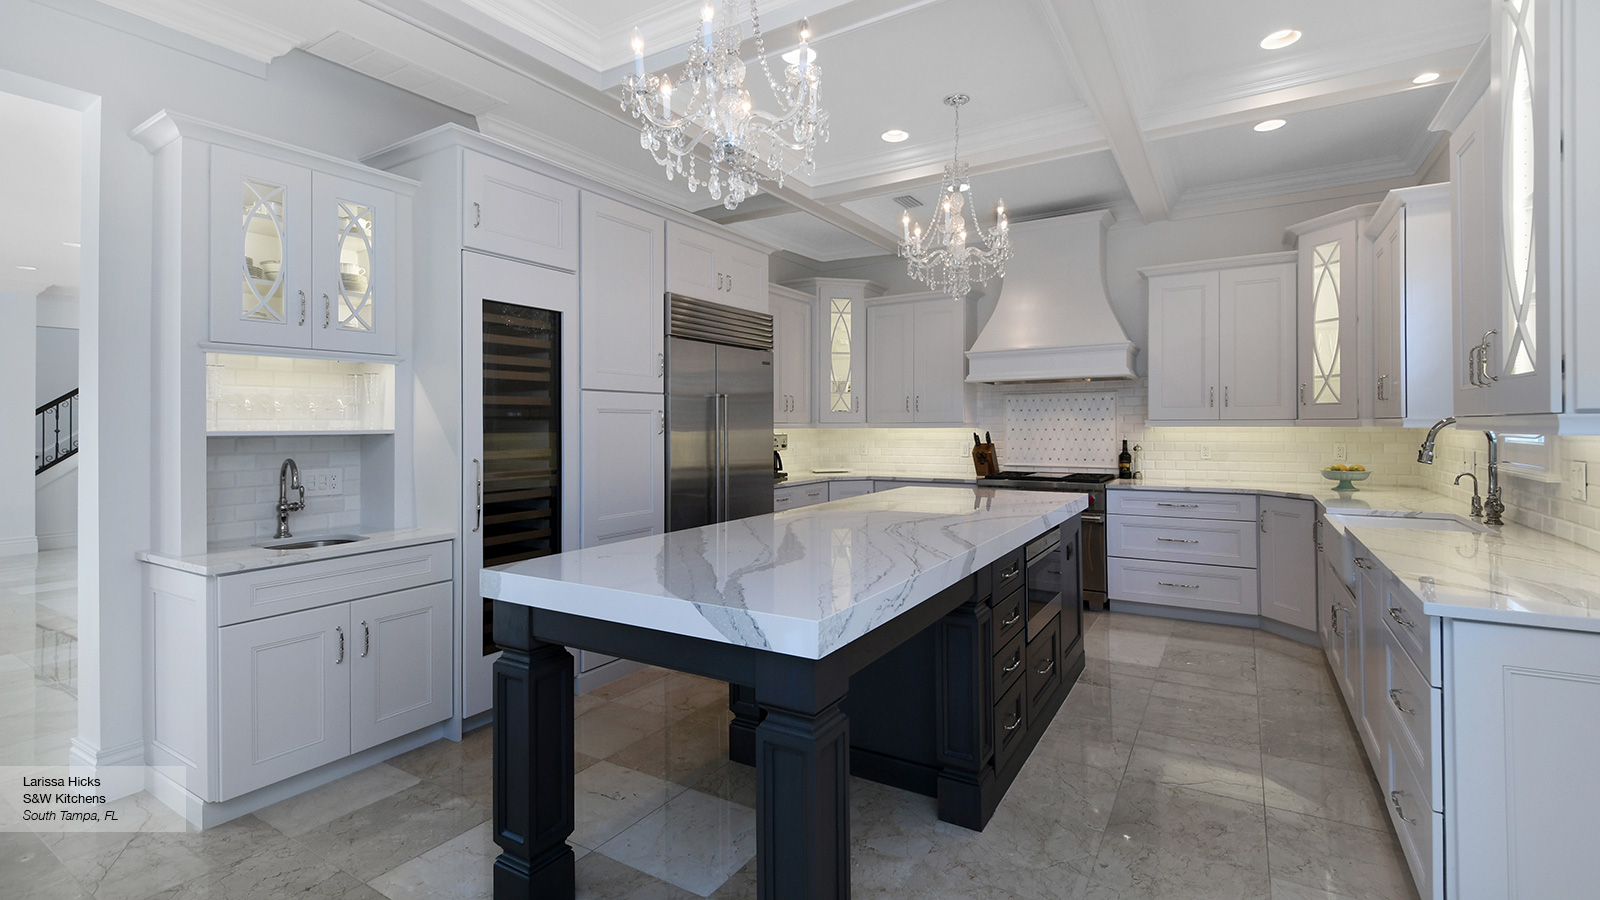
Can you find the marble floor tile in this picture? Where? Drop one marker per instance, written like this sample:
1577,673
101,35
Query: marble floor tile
1233,684
684,751
742,885
609,798
1210,768
278,871
1136,648
1303,702
134,865
465,768
599,877
606,729
1319,738
1326,792
731,781
1229,661
1348,860
1207,632
1197,714
461,868
1288,890
627,684
316,808
1089,740
1167,842
676,695
1123,706
380,836
695,841
28,869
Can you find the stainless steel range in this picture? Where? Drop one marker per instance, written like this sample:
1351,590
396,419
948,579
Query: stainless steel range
1094,518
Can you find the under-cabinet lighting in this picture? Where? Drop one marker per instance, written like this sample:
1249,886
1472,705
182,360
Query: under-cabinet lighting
1280,39
1271,125
1426,78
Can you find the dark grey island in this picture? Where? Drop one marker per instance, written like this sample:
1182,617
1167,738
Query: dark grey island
921,637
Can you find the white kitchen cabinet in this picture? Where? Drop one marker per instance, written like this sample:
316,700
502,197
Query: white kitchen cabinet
1222,340
301,258
1411,362
510,211
708,267
622,298
1182,549
402,660
1329,383
850,487
839,370
624,470
791,355
796,496
916,360
1367,706
1288,562
1342,611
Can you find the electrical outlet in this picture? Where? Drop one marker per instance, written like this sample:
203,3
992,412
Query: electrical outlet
321,482
780,441
1205,451
1578,481
1341,453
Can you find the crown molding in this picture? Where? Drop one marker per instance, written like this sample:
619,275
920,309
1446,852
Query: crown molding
225,28
1397,168
571,157
1469,87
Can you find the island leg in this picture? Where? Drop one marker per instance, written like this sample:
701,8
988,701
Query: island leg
533,771
803,804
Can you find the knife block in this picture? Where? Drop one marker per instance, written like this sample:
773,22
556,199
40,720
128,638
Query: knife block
983,460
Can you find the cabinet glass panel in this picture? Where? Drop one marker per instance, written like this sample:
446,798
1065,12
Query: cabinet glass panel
521,438
262,266
355,266
1325,363
1519,313
840,384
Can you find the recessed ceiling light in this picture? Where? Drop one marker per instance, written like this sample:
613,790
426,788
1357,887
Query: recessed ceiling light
895,135
1270,125
1280,39
71,244
1426,78
29,268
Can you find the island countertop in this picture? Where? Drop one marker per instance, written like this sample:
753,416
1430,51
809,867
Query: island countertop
802,582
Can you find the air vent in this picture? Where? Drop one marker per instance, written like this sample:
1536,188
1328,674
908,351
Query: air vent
354,53
907,201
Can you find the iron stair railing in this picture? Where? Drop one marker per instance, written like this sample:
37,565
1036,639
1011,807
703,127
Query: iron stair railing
55,443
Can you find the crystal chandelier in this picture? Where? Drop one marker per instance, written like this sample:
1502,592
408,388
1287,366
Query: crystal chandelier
745,143
941,259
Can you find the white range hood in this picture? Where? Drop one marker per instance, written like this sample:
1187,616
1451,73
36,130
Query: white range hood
1052,320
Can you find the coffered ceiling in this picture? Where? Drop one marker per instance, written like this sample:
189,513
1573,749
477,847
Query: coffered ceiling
1143,106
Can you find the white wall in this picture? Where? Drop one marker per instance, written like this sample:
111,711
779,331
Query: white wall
56,364
122,77
18,313
55,506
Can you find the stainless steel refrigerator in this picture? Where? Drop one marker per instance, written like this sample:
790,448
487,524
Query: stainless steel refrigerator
719,413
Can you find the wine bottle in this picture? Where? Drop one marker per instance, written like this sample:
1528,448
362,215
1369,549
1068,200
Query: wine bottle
1124,462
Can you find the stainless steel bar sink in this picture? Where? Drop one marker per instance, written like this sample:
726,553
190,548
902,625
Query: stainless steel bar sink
310,542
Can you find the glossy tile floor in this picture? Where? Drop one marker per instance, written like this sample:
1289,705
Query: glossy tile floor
1191,761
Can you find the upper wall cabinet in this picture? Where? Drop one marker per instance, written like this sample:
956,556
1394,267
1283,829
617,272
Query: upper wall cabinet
1330,251
839,373
509,211
916,360
301,259
1411,366
707,267
1222,340
791,355
622,297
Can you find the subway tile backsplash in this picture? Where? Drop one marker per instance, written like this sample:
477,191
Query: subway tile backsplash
242,485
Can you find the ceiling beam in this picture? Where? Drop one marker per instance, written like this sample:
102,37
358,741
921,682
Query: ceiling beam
1077,28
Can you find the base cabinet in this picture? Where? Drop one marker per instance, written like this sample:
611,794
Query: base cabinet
624,469
1288,561
1188,550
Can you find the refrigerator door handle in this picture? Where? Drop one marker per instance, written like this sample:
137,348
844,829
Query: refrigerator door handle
724,489
716,457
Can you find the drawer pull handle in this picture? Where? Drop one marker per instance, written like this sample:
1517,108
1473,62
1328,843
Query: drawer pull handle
366,639
340,629
1011,620
1015,662
1013,726
1362,563
1394,697
1179,505
1047,667
1394,800
1014,571
1333,619
1177,584
1398,615
1177,540
477,214
302,307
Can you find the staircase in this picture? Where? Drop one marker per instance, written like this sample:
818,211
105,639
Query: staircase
55,425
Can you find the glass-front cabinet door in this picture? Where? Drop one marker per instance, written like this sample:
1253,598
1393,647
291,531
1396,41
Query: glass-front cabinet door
352,266
1328,382
260,251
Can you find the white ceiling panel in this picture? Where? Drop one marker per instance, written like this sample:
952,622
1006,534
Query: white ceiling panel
1090,181
1341,145
40,197
808,236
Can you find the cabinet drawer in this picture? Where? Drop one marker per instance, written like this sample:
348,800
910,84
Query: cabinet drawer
1043,675
1008,574
271,592
1218,543
798,496
1182,504
1402,613
840,490
1010,615
1413,708
1010,723
1187,585
1420,829
1008,663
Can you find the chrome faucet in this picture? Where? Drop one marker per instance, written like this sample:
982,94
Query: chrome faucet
1493,506
288,479
1477,501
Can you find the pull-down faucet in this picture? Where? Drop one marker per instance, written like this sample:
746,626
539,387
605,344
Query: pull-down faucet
1493,506
288,480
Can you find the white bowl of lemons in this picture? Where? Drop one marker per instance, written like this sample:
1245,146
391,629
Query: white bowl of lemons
1344,474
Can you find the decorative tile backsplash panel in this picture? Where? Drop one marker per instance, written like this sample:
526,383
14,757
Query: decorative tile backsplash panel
1061,431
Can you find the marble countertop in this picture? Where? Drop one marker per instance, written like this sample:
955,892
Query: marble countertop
228,559
1374,498
803,582
798,478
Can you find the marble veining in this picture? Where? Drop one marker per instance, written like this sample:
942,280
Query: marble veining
803,582
246,557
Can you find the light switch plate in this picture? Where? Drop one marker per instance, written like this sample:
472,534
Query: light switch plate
780,441
322,482
1578,481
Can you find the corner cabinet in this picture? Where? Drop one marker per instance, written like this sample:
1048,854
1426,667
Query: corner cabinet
840,366
1222,339
707,267
1329,383
1410,367
791,355
916,360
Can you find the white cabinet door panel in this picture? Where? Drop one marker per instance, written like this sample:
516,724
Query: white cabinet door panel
692,263
1184,346
791,359
358,236
624,467
1329,275
400,677
1257,356
1288,562
1187,540
890,330
939,357
745,274
1186,585
510,211
623,301
261,210
1182,504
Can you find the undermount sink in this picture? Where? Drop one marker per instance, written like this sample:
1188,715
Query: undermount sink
1416,523
312,541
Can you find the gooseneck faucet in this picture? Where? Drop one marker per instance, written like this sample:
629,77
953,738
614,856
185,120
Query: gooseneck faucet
1477,501
1493,506
288,479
